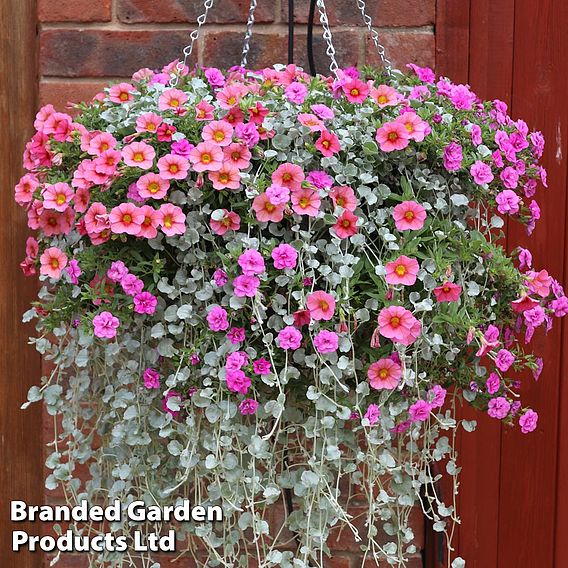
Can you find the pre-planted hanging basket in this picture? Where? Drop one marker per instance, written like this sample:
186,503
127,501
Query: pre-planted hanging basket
262,286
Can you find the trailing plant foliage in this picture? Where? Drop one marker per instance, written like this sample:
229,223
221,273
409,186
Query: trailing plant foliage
259,282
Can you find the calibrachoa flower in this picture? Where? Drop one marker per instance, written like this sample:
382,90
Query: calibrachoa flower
172,166
453,157
508,202
499,407
126,218
226,177
328,143
420,411
57,196
392,136
53,261
504,359
343,196
251,262
346,225
105,325
289,338
236,335
326,341
528,421
373,414
261,366
206,157
171,219
217,319
447,292
219,132
384,374
284,256
321,305
145,303
306,202
288,175
139,155
151,378
398,324
409,216
223,221
248,406
246,286
152,185
172,99
238,382
265,210
403,270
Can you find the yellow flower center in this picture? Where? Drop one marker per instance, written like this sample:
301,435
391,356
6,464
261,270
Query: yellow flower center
400,270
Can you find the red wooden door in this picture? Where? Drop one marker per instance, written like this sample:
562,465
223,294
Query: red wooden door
514,490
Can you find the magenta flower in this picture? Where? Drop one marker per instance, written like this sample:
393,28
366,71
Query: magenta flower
326,341
296,92
528,421
131,284
74,271
246,286
481,173
105,325
447,292
419,411
498,408
220,278
251,262
289,338
236,360
453,157
238,382
373,414
437,396
236,335
510,177
217,319
504,360
507,202
171,394
493,383
145,303
151,378
284,256
248,406
278,195
261,366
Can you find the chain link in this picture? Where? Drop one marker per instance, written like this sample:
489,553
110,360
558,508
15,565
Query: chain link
180,66
330,51
248,34
375,37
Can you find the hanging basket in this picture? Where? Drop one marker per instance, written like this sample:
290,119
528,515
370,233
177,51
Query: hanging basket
266,287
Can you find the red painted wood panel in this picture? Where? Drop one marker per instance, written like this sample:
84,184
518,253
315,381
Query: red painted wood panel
514,491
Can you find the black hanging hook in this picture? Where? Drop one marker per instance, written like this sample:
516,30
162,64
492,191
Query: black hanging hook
310,37
290,32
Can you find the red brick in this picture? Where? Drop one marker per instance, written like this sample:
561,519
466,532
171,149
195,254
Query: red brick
74,10
413,562
404,47
174,11
107,53
404,13
222,49
60,93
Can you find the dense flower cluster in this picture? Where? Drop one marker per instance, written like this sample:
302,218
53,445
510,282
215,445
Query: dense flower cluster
269,249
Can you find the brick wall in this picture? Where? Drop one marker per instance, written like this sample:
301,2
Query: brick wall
85,44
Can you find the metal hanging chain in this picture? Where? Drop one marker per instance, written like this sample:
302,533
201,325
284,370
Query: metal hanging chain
248,34
180,66
375,37
330,51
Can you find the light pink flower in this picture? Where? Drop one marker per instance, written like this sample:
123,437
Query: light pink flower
328,144
385,96
226,177
447,292
399,325
311,121
323,111
204,111
409,216
246,286
539,283
284,256
223,220
172,99
171,219
105,325
251,262
288,175
346,225
74,271
100,143
139,155
296,92
25,189
306,201
126,218
217,319
384,374
150,224
206,157
53,260
238,155
96,218
218,132
57,196
326,341
172,166
416,127
392,136
267,211
321,305
278,195
145,303
148,122
343,196
403,270
152,186
121,93
289,338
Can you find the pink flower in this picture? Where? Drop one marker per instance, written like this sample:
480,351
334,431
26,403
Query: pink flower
238,155
171,219
117,271
175,395
206,157
105,165
236,360
204,111
498,407
251,262
384,374
152,186
302,318
258,113
74,271
343,196
172,99
121,93
539,283
493,383
278,195
151,379
105,325
326,341
384,96
217,319
219,132
223,221
392,136
311,121
323,111
126,218
509,177
306,201
226,177
409,216
289,338
481,173
261,367
100,143
416,127
319,179
507,202
346,225
419,411
32,247
57,196
284,256
425,74
288,175
524,303
453,157
139,155
53,260
447,292
403,270
328,144
145,303
131,284
172,166
238,382
25,189
399,325
236,335
165,132
528,421
504,360
150,224
247,133
148,122
267,211
355,91
296,92
321,305
373,414
246,286
182,148
437,396
248,406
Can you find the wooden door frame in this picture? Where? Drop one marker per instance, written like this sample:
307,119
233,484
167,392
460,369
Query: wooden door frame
21,446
